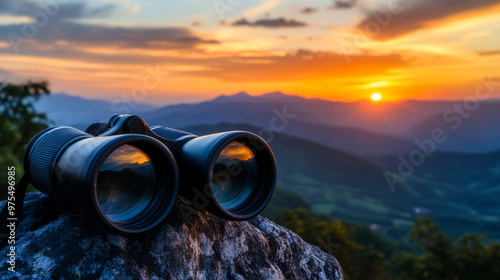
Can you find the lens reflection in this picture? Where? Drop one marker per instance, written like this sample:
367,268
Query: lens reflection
126,183
234,175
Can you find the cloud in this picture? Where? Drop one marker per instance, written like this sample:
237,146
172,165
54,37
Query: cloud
70,10
63,27
164,52
488,53
116,37
308,10
343,4
410,16
263,8
270,23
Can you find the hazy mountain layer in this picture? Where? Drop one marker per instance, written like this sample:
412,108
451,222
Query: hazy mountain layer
353,188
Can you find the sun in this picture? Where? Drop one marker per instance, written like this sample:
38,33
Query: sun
376,96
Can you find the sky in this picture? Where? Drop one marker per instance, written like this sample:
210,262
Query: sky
165,52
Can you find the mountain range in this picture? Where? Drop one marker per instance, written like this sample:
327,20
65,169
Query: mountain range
65,109
362,128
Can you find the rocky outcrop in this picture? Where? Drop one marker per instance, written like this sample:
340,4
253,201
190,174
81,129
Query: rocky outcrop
57,244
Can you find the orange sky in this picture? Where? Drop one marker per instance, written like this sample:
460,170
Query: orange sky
415,50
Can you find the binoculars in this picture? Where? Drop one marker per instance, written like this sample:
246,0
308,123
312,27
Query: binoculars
126,176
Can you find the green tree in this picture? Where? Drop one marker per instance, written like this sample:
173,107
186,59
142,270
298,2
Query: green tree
472,256
365,254
492,261
439,260
403,266
19,122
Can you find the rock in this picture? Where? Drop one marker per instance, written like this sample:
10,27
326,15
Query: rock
54,243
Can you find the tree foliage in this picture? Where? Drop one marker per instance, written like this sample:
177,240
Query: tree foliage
19,122
364,254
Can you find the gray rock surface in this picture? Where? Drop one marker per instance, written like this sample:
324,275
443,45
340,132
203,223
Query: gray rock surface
59,244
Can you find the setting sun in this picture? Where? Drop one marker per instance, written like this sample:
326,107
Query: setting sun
376,96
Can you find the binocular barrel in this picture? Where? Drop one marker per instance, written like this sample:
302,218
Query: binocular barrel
126,177
125,183
231,174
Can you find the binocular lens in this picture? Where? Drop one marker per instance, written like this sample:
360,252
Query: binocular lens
126,183
231,174
234,175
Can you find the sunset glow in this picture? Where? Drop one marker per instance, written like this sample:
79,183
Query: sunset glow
236,151
125,155
189,52
376,96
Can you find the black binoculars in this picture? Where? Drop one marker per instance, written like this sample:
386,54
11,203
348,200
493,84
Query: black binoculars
126,176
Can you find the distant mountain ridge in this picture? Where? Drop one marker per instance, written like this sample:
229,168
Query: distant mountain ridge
66,109
358,127
475,131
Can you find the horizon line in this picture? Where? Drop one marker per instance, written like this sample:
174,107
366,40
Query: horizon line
222,95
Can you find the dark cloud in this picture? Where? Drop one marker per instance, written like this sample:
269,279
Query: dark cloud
487,53
343,4
70,53
308,10
270,23
69,10
105,36
401,18
242,21
62,28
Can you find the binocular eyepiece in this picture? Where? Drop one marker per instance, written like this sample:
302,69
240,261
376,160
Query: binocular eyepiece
126,176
